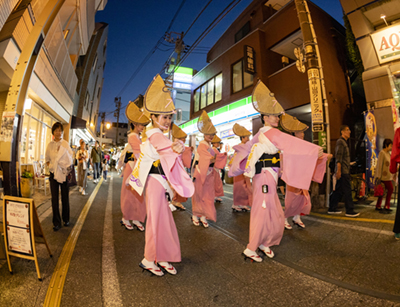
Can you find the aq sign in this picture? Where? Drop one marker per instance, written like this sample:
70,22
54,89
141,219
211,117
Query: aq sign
387,44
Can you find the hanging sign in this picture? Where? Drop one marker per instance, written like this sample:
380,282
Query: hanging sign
249,60
317,116
371,151
21,227
322,140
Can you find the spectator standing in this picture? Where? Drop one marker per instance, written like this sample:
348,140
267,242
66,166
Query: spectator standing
394,160
59,160
83,157
96,156
383,173
342,174
105,169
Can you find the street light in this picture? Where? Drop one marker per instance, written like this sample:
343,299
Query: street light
383,16
108,125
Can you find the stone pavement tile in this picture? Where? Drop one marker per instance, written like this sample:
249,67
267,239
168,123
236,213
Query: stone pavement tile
85,260
344,297
82,290
21,288
379,268
291,288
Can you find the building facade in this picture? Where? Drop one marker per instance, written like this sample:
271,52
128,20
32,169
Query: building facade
376,28
90,70
52,92
259,45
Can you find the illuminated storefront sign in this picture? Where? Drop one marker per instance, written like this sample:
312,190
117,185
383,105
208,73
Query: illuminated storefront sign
249,60
387,44
315,99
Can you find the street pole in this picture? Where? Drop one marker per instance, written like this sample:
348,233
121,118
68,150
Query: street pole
117,101
320,116
103,117
17,93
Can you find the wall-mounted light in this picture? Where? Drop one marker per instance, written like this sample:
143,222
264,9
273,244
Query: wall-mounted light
383,16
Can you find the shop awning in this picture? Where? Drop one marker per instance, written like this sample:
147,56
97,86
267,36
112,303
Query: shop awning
78,123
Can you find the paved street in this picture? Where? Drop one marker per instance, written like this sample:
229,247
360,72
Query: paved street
334,261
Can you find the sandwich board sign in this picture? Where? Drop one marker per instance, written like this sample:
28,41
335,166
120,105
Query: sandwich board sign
21,227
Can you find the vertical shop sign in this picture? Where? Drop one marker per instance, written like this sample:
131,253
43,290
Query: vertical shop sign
317,115
371,150
249,60
322,140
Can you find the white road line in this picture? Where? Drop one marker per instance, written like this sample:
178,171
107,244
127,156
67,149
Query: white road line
227,197
228,192
343,225
110,283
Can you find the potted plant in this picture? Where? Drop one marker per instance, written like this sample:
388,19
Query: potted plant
26,184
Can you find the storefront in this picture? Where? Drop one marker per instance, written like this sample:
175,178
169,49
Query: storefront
241,112
35,134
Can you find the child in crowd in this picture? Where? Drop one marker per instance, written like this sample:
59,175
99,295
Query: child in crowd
105,169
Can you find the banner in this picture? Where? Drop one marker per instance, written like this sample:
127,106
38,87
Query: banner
371,150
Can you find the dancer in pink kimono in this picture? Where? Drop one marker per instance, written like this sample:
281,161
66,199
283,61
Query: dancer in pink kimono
242,190
158,170
263,162
179,134
205,160
219,187
297,201
133,206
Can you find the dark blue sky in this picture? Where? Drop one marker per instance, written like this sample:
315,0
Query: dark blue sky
136,26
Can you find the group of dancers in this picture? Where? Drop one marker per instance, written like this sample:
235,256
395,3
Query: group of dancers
155,180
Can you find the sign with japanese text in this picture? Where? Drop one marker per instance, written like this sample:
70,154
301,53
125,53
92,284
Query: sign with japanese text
387,44
249,60
317,116
322,140
21,227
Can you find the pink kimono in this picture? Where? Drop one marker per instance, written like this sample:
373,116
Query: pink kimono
133,206
242,190
219,187
297,201
204,181
162,241
267,224
186,159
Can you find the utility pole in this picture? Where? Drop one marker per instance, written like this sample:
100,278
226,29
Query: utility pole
117,101
318,101
103,117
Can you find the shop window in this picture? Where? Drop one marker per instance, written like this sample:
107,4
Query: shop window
196,100
35,112
218,88
240,79
47,120
210,92
95,63
242,32
203,97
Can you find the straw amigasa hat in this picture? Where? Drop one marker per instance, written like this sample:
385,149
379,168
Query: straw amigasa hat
264,101
157,99
177,133
292,124
216,139
205,125
240,130
135,115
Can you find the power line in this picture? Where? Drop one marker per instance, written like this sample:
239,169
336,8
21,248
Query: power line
151,52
